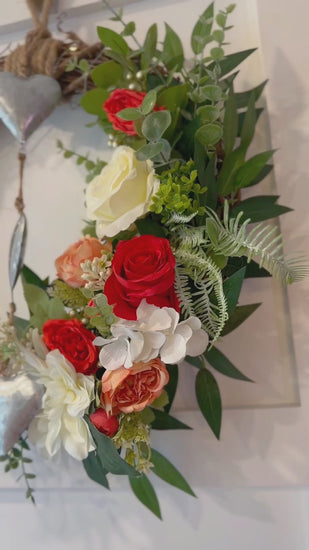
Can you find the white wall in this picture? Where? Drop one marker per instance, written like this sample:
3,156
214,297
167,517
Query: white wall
255,515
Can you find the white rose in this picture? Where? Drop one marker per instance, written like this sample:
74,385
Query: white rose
121,193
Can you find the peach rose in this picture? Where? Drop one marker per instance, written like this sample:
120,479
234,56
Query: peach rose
68,264
131,390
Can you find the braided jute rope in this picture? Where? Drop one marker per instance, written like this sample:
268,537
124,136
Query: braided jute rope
43,54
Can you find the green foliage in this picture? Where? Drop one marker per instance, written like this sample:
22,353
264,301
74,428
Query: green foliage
113,40
209,400
93,168
16,459
163,468
201,34
178,193
260,208
239,315
144,491
41,306
107,74
163,421
172,54
70,297
222,364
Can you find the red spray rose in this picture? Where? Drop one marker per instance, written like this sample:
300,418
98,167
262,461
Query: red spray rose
122,99
74,342
143,267
108,425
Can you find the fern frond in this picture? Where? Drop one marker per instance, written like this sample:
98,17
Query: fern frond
183,291
176,218
230,238
207,280
191,237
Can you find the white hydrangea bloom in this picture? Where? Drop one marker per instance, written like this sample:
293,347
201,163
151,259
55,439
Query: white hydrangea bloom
156,331
67,397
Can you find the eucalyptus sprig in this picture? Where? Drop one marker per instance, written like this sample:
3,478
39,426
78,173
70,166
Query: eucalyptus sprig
15,459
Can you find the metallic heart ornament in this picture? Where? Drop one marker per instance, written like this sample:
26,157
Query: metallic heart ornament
20,400
26,102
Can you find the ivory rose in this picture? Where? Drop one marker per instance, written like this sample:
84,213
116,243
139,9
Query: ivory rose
132,390
68,264
121,193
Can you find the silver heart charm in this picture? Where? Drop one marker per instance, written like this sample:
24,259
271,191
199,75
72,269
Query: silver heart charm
26,102
20,400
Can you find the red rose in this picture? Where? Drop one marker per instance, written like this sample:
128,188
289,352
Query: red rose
108,425
122,99
143,267
74,342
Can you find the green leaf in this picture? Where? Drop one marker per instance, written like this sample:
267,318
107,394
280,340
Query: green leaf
230,124
161,401
171,386
21,326
107,74
147,226
251,169
163,468
223,365
174,97
242,98
208,179
195,361
209,134
130,113
218,36
263,173
108,455
209,400
164,421
208,113
149,47
241,119
211,92
95,470
240,314
92,101
172,54
129,29
32,278
217,53
149,151
248,128
144,491
56,309
231,61
260,208
113,40
201,33
230,165
149,102
221,19
232,287
252,268
155,124
35,297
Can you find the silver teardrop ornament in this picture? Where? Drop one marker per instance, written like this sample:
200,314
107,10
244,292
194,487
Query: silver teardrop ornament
17,249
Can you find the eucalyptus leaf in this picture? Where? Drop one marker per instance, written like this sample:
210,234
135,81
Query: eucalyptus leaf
144,491
208,113
149,102
149,151
129,29
222,364
113,40
155,125
209,134
211,92
209,400
164,469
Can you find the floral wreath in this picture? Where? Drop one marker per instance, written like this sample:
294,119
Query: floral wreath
156,278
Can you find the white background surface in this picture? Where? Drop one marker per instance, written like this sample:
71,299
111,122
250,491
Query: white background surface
251,486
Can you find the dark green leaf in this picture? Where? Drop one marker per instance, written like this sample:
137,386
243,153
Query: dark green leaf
248,128
260,208
32,278
263,173
252,268
107,74
163,468
95,469
231,61
240,314
223,365
251,169
242,98
172,54
155,124
209,134
230,165
30,476
195,361
147,226
21,326
171,386
108,455
173,97
230,124
241,119
207,178
201,33
113,40
144,491
92,101
164,421
232,287
209,400
149,47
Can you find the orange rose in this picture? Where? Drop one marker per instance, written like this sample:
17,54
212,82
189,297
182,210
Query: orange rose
68,265
131,390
